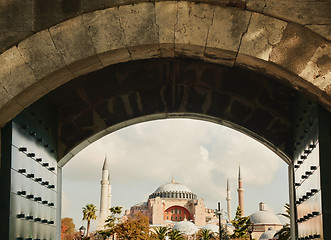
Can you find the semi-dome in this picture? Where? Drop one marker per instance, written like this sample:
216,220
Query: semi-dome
267,235
264,217
173,190
186,227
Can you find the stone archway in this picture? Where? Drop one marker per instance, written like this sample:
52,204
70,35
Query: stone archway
286,54
95,40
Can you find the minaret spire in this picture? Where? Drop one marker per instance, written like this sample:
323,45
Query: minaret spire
228,200
104,196
109,193
240,193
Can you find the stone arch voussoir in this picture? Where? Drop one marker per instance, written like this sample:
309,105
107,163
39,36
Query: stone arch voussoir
212,33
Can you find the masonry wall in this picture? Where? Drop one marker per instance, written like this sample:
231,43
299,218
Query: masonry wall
20,19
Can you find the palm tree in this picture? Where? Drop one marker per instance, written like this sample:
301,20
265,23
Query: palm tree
285,232
88,214
176,235
205,234
161,232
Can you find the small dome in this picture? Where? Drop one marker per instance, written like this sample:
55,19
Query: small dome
186,227
264,217
268,234
212,227
173,187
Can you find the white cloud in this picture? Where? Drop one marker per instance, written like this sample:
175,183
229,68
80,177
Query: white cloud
198,154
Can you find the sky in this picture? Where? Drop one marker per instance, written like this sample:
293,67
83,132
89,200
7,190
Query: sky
198,154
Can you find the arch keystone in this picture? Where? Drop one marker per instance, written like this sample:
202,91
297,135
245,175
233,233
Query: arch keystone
191,30
225,34
105,31
140,29
166,19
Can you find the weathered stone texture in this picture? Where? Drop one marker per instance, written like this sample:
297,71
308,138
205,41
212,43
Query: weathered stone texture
166,19
15,74
318,69
70,38
75,46
225,35
192,28
296,48
20,19
140,30
307,12
41,54
263,33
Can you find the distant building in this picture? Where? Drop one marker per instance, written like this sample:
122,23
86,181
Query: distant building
264,221
174,202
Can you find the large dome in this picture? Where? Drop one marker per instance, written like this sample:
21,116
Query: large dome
173,190
264,217
173,187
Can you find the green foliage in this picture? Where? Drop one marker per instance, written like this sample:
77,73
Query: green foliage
110,222
176,235
135,228
67,229
240,224
160,233
205,234
285,232
89,213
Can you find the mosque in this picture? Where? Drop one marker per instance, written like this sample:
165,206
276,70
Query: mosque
175,204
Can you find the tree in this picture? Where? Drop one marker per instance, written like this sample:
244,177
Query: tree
67,229
135,228
240,224
110,222
285,232
160,232
89,214
175,235
205,234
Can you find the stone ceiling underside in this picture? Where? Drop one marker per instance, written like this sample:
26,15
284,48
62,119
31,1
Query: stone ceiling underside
96,101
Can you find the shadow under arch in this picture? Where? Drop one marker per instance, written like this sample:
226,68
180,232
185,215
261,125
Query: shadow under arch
96,104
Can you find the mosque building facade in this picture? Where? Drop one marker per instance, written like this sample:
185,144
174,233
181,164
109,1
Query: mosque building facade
174,202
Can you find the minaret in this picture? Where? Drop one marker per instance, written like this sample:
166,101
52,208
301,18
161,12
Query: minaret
240,194
228,200
109,194
103,213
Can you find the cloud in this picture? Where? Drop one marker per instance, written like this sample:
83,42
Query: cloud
198,154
